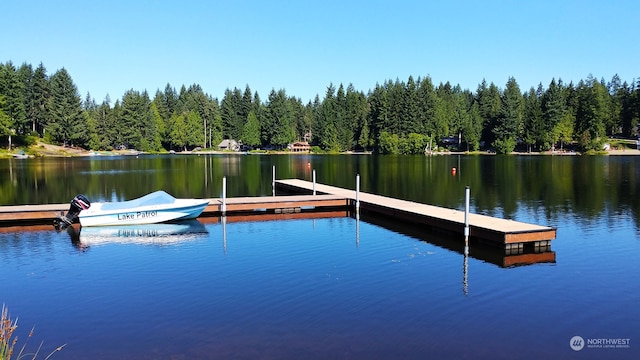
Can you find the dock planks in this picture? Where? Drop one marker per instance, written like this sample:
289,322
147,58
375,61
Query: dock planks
501,231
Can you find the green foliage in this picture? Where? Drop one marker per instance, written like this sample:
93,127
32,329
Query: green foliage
563,131
532,118
508,123
68,124
12,86
345,119
504,146
194,129
251,131
591,114
38,99
278,124
472,128
388,143
233,116
5,120
178,135
490,107
31,139
414,144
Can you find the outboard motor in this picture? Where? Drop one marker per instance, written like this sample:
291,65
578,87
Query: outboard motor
79,203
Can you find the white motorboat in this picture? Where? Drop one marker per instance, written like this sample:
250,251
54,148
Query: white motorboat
157,207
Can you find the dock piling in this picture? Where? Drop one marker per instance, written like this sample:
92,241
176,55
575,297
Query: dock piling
224,196
358,194
314,181
273,181
466,219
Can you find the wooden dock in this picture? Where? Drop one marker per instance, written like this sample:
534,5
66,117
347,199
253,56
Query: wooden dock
512,235
509,234
44,214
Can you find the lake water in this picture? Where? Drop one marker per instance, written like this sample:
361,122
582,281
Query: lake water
329,286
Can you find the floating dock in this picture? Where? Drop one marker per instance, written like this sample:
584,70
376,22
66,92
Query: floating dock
510,234
45,214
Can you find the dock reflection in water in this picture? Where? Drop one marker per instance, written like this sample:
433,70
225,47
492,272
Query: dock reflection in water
517,256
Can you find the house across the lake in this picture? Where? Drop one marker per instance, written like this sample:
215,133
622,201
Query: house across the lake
229,144
299,146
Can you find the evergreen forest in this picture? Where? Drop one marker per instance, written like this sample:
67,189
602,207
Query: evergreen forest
396,117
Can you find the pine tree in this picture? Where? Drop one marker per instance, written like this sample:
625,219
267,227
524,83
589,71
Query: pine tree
25,76
472,129
591,113
231,112
68,124
507,127
159,124
13,90
532,119
426,106
38,111
178,135
553,106
490,106
194,131
629,110
325,119
247,103
440,119
379,105
251,131
137,127
5,120
280,132
410,112
357,113
100,137
171,102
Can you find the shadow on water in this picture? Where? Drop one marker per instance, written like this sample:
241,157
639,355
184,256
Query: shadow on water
477,249
151,234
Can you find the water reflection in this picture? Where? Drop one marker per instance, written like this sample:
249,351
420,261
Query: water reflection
264,216
527,254
150,234
550,187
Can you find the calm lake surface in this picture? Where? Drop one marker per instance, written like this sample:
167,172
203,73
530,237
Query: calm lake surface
329,287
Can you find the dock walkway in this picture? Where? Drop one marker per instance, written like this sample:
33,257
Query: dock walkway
505,232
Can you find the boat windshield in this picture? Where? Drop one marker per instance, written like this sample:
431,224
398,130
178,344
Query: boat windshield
155,198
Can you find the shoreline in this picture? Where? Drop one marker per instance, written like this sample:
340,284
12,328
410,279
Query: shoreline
48,150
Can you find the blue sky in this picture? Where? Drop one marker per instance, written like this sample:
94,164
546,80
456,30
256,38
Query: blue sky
109,47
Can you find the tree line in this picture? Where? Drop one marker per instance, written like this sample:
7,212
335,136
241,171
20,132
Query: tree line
396,117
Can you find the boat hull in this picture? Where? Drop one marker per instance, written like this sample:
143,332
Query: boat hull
181,209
